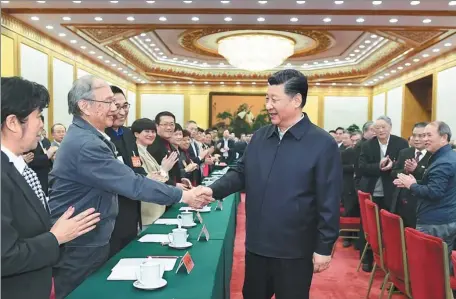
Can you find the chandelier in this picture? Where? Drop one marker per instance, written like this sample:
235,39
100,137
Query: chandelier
256,52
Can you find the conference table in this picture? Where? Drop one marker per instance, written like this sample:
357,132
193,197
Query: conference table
210,277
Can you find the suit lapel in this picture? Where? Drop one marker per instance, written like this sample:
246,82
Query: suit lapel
376,150
29,194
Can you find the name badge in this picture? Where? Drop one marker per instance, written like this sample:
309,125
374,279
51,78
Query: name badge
120,159
135,161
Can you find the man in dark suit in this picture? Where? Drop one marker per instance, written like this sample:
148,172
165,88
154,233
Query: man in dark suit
339,136
166,123
196,154
376,161
414,161
292,175
129,217
226,148
40,160
30,244
240,146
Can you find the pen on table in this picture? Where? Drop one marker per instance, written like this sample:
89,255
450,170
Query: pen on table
163,257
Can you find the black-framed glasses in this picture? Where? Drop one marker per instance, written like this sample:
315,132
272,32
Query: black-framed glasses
98,101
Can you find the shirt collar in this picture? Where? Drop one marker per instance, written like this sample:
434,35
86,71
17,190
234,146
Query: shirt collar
18,161
104,135
297,130
423,152
387,141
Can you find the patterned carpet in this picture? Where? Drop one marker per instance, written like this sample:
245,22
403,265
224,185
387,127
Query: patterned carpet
340,281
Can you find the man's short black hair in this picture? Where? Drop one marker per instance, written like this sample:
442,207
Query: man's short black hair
186,133
294,82
340,128
201,130
420,125
21,97
56,124
208,131
332,131
163,113
116,89
142,124
177,127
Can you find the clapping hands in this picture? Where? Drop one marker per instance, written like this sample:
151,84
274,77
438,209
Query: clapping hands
404,181
410,165
386,164
198,197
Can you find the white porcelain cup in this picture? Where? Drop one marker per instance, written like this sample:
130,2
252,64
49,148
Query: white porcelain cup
178,237
186,217
150,273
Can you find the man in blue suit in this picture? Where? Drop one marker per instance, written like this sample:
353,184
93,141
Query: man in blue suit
292,174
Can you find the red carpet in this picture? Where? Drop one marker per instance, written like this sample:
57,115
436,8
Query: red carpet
340,281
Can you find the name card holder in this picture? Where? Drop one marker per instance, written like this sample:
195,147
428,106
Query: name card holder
188,263
219,205
205,232
198,217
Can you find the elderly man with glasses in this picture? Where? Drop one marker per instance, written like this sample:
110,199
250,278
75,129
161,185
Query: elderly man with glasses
88,173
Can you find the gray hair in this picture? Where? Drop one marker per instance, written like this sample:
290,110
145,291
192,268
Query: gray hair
367,125
83,89
443,129
385,119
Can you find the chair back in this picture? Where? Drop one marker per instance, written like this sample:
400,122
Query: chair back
362,197
453,260
374,232
394,249
428,265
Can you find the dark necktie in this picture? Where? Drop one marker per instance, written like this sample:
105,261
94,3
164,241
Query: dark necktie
417,157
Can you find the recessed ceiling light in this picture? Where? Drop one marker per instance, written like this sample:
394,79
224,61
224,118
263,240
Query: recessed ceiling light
326,61
294,19
161,53
164,57
261,19
316,62
400,68
349,84
115,2
300,2
367,41
347,58
195,61
225,1
221,83
427,21
131,19
100,57
228,19
175,82
62,34
238,83
175,58
447,45
436,50
66,18
336,60
339,2
195,19
206,82
107,61
41,2
49,27
376,2
387,74
143,34
333,84
119,68
98,19
394,20
73,41
83,47
452,3
408,64
318,83
425,55
77,2
416,60
327,20
125,71
374,36
163,19
35,18
5,2
362,46
92,52
187,1
360,20
190,82
253,83
352,55
414,2
157,49
134,77
262,2
356,51
148,40
150,2
393,71
185,60
129,75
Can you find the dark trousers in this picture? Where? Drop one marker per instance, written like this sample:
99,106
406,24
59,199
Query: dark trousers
406,208
380,201
286,278
75,265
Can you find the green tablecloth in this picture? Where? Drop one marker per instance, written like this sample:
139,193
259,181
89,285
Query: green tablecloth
210,279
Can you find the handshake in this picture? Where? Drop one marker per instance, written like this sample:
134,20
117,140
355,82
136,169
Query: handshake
198,197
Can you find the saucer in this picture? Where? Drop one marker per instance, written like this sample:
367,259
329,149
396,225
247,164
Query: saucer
205,209
191,225
186,245
161,283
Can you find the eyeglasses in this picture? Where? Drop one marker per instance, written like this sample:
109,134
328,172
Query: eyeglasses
125,107
169,125
107,102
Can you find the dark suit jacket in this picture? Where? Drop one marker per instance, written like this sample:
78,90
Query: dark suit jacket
239,148
231,151
293,188
357,149
29,250
349,197
129,215
369,165
160,149
195,176
405,154
42,165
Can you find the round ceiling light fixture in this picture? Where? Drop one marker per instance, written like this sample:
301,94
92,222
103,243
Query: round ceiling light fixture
256,51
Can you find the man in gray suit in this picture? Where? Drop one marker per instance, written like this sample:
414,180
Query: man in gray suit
87,173
58,131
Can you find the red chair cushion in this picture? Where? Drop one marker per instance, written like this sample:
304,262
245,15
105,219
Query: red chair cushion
362,197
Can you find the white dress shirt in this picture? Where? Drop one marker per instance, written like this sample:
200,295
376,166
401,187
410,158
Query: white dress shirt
18,161
423,153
